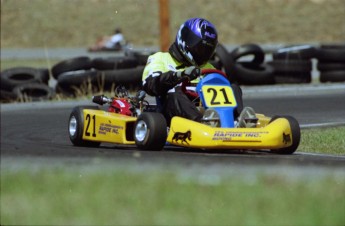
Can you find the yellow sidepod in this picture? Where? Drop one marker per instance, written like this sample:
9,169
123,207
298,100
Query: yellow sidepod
187,133
109,127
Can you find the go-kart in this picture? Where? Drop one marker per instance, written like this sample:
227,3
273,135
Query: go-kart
134,121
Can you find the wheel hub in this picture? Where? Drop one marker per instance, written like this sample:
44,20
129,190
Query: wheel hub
141,130
72,126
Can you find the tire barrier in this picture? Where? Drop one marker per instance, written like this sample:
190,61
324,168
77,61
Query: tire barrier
293,64
33,92
254,71
74,64
83,75
292,71
297,52
331,63
244,65
89,81
330,66
132,76
248,50
13,77
72,83
332,76
248,73
331,55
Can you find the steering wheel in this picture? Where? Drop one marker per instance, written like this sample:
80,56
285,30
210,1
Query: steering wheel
207,71
194,95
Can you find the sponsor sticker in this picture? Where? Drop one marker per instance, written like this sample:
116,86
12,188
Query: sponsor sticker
105,128
228,136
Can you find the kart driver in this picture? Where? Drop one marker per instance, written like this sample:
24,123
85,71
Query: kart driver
164,72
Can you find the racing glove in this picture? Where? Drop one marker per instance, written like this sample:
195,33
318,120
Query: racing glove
189,73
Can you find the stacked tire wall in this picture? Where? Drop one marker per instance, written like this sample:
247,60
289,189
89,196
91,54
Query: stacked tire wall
25,84
245,65
293,64
76,76
82,74
249,67
331,63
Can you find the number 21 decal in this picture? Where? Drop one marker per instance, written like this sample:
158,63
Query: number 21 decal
219,96
90,118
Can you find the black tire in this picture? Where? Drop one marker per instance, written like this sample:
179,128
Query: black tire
71,82
331,66
252,74
76,127
226,63
74,64
333,45
34,92
13,77
112,63
291,66
332,76
150,131
299,52
331,55
291,71
247,50
131,76
296,136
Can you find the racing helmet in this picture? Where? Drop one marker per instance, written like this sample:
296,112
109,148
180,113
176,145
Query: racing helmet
197,40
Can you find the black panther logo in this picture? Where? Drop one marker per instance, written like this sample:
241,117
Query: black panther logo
286,138
182,136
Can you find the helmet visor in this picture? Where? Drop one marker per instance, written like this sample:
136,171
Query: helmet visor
202,51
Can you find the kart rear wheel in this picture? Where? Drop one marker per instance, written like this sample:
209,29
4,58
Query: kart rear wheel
295,135
150,131
76,127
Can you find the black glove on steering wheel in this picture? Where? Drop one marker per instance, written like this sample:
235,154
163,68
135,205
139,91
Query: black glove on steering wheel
189,73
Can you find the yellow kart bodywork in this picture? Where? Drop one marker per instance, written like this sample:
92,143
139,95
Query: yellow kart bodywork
274,135
90,127
103,126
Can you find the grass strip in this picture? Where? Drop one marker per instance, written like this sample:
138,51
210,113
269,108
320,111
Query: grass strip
65,197
323,140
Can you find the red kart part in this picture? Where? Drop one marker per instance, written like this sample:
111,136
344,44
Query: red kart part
120,106
211,70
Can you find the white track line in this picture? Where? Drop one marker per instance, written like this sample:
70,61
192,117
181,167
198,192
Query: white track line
318,125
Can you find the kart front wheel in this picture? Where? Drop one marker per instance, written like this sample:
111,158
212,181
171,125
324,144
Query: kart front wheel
295,135
150,131
76,127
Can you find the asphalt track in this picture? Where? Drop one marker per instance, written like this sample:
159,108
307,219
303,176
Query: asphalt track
33,131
